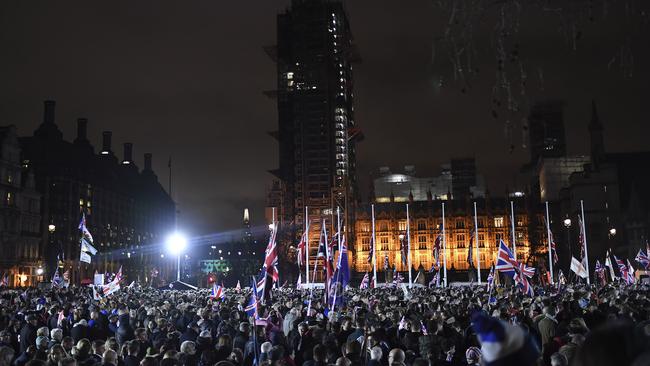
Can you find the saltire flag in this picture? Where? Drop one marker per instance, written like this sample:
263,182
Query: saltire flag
386,262
365,282
87,247
251,307
643,259
57,280
217,292
630,273
490,279
404,249
84,230
371,252
600,273
470,256
301,249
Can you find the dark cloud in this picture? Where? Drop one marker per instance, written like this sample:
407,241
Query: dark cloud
186,80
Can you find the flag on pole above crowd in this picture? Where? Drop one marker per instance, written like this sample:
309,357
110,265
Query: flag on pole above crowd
84,230
519,272
622,268
436,249
57,280
490,279
552,241
630,273
301,249
251,307
600,273
269,271
371,252
643,259
470,258
365,281
608,264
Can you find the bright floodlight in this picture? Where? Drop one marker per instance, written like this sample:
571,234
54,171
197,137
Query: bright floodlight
176,243
39,271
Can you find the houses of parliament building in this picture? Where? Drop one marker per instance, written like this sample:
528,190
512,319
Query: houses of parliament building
425,218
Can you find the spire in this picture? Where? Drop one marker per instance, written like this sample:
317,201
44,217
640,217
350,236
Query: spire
411,196
597,139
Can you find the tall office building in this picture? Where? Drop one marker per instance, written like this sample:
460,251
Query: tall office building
316,131
546,129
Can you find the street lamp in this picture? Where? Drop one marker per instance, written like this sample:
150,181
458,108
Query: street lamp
39,271
176,243
612,231
51,228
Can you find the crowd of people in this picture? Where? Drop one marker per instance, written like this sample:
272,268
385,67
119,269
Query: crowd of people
393,325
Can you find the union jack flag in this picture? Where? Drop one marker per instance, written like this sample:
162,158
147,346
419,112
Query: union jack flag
643,259
435,281
217,292
365,282
251,308
371,252
490,279
301,249
505,260
552,241
621,267
630,273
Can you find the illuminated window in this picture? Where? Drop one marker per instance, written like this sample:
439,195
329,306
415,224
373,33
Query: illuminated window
365,244
422,225
520,235
9,199
402,225
422,242
460,240
460,224
10,178
383,226
365,227
289,75
498,222
384,242
481,240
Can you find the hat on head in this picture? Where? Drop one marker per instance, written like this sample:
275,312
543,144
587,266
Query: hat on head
473,354
503,344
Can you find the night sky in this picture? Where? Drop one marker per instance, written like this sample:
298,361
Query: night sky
186,78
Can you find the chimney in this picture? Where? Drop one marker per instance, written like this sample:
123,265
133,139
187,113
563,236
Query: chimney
106,142
128,153
82,128
48,115
147,161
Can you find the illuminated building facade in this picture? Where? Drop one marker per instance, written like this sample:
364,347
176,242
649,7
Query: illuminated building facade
425,219
126,209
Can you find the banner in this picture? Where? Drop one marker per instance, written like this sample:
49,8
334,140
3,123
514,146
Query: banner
84,257
99,279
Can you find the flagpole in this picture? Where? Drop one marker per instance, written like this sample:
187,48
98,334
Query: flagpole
584,239
338,239
408,244
307,245
374,246
512,223
478,255
444,244
548,236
